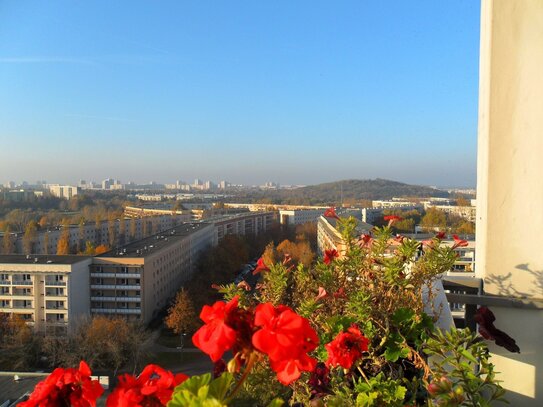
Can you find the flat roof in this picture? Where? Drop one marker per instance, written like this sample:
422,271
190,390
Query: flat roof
152,244
40,259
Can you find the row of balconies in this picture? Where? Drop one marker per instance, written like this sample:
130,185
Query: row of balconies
116,275
116,310
117,299
114,287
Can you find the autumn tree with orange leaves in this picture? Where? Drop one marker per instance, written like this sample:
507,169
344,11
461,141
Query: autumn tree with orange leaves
181,315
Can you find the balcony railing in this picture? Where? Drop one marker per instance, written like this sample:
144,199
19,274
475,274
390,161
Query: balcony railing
56,283
116,275
22,282
118,299
116,310
115,287
468,293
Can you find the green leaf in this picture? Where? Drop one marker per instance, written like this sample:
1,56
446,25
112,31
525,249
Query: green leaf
468,356
277,402
220,386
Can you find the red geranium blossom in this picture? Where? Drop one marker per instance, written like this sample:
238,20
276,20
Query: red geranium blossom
260,266
216,336
153,387
66,387
441,235
346,348
331,213
286,338
330,255
459,242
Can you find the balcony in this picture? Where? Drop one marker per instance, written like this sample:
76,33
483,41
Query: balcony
56,283
114,287
116,275
116,311
22,282
117,299
5,282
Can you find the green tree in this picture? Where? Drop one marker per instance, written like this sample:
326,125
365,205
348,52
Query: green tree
112,231
434,218
46,243
29,237
8,247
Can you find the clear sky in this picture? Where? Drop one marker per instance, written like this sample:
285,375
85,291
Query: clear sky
248,91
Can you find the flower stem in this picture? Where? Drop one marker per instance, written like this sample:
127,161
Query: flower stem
252,359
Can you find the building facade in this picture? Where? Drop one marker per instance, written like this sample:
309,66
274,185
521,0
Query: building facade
48,292
294,217
136,281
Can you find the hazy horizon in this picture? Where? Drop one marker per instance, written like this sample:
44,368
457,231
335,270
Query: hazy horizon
246,92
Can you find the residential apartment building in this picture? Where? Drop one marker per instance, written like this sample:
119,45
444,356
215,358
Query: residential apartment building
108,233
137,280
329,238
48,292
466,212
63,191
294,217
396,204
250,223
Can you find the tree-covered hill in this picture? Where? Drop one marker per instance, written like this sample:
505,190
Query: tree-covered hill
350,190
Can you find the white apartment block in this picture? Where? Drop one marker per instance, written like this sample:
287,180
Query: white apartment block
299,216
466,212
137,280
63,191
250,223
396,204
125,230
328,237
48,292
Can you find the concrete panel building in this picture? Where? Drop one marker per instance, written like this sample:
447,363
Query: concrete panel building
48,292
299,216
63,191
138,280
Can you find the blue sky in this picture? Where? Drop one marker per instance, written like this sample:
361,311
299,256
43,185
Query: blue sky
248,91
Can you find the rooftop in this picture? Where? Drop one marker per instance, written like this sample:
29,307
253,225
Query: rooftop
40,259
150,245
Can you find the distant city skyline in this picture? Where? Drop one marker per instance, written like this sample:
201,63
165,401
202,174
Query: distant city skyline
249,92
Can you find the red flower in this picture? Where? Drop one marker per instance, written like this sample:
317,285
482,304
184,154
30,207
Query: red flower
289,370
340,293
330,255
346,348
365,240
66,387
286,338
399,238
392,217
485,319
331,213
216,336
260,266
441,235
459,242
153,387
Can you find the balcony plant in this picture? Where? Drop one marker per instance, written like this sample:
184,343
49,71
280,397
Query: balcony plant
350,331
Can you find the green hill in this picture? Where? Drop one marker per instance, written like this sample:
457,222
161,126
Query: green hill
331,192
